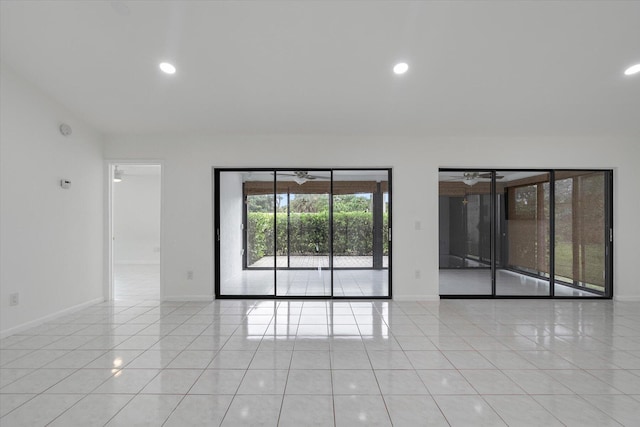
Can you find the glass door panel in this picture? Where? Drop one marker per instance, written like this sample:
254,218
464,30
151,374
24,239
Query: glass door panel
361,233
277,231
465,209
582,227
246,233
303,233
523,230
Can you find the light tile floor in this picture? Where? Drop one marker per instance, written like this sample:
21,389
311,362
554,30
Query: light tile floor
302,363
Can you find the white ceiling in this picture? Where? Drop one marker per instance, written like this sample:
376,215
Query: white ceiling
486,68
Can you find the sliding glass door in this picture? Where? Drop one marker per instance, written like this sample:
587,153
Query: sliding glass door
583,232
523,226
246,224
302,233
360,233
465,232
516,233
303,230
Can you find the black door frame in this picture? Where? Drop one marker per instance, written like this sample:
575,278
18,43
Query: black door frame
216,235
608,195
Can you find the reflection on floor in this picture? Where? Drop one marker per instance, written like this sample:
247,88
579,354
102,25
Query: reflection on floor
319,261
333,363
136,282
361,283
354,283
477,281
473,281
452,261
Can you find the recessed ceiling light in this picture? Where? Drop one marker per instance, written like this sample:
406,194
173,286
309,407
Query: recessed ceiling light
401,68
634,69
167,68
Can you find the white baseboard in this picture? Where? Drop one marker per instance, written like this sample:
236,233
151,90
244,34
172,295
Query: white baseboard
187,298
416,298
632,298
28,325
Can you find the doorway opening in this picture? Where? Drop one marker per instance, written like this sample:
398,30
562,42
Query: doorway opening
135,244
290,233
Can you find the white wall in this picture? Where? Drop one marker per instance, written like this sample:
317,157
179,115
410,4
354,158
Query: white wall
136,219
51,247
415,161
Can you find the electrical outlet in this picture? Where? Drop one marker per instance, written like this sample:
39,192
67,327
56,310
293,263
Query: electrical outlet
14,299
190,275
417,274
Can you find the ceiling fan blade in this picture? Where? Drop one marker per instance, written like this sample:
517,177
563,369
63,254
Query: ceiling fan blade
487,175
302,175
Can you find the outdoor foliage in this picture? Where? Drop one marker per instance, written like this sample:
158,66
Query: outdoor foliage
309,234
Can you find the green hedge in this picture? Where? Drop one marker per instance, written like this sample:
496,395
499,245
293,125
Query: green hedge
309,234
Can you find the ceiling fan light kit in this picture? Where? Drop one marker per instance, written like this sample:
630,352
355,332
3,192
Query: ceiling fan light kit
471,178
300,177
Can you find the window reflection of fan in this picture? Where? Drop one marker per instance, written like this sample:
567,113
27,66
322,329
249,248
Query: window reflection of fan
472,178
300,177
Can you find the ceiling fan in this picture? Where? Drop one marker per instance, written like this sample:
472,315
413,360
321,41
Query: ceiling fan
472,178
300,177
